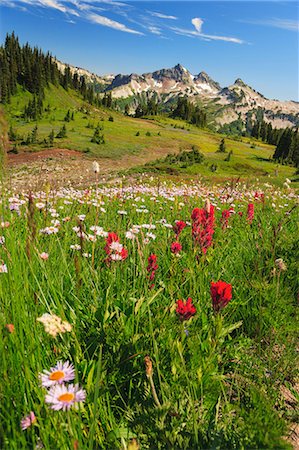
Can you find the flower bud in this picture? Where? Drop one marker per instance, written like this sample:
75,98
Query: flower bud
148,366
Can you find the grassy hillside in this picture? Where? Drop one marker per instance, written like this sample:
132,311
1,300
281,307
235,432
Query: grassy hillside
3,141
141,140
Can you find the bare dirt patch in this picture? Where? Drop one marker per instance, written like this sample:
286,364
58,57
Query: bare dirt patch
43,155
61,167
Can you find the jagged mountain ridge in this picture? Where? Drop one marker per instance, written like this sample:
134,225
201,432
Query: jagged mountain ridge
229,103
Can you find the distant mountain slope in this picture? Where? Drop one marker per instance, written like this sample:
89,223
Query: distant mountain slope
229,104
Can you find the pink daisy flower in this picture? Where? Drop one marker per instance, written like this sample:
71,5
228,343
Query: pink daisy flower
64,397
27,421
59,374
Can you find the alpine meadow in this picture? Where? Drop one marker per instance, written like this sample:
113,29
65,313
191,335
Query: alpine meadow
149,283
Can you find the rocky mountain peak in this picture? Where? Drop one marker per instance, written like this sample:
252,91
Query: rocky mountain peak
240,82
203,77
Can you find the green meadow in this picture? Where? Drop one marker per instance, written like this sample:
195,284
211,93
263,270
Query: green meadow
140,140
149,377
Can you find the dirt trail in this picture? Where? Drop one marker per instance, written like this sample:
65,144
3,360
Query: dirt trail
60,167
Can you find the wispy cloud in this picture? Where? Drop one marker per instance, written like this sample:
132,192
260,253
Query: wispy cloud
155,30
54,4
101,20
197,22
84,9
162,16
285,24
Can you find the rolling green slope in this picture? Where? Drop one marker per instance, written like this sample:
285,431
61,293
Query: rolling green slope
146,139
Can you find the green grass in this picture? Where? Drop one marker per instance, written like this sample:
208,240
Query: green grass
218,384
166,136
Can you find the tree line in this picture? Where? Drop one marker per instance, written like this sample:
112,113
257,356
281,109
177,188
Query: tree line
191,113
34,70
286,141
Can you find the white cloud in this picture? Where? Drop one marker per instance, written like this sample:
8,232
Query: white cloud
163,16
285,24
101,20
154,30
54,4
198,23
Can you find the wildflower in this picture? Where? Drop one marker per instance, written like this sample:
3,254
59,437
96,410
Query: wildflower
280,264
2,240
112,237
116,246
152,265
185,309
250,213
259,196
203,226
224,218
49,230
75,247
54,325
64,397
175,247
221,293
44,256
10,327
151,236
95,167
4,224
178,227
27,421
120,256
114,249
40,205
3,268
59,374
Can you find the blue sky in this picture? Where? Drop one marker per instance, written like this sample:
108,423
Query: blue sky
256,41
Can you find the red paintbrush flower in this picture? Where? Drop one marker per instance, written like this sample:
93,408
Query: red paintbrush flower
114,249
112,237
152,267
175,247
221,293
250,212
185,309
203,226
178,227
224,218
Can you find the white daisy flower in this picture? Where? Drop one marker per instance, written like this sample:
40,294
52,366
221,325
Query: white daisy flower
75,247
59,374
64,397
116,257
116,246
